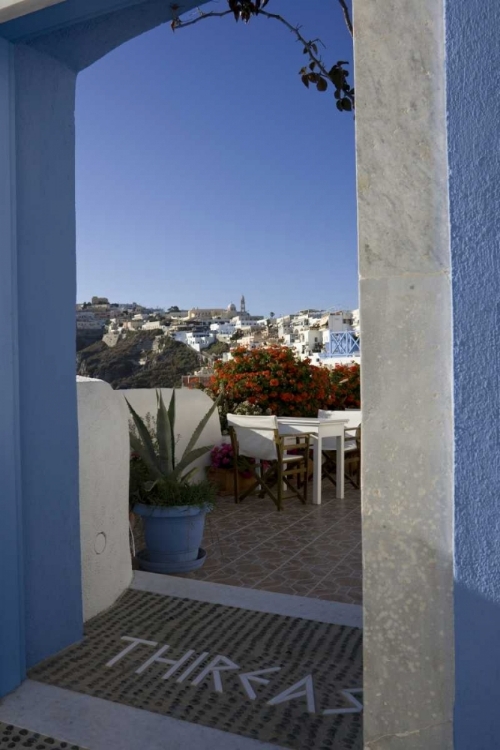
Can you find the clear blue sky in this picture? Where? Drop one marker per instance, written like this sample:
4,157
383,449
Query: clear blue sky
205,169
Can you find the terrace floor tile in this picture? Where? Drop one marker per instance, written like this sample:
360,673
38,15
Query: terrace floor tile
307,550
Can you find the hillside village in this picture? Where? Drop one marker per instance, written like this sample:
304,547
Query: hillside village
108,336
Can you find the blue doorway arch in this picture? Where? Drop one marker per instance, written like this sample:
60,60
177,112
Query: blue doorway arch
41,54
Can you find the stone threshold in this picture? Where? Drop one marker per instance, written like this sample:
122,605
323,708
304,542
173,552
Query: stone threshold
99,724
318,610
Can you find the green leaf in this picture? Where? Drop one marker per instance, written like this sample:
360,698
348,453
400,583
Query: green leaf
164,436
346,105
188,458
138,447
197,433
171,416
322,85
305,81
149,457
187,477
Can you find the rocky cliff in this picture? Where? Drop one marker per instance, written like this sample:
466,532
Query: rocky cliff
132,362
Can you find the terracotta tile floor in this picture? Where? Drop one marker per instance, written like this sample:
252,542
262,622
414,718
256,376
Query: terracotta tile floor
306,550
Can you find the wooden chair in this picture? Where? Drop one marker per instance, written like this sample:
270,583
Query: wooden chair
275,461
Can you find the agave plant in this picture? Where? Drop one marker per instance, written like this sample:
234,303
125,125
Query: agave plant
162,462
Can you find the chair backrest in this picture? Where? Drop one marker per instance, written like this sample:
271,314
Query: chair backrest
353,417
256,435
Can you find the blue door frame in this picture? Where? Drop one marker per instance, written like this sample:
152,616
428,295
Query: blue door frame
12,651
40,564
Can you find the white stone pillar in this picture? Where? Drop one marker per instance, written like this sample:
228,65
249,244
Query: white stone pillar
406,328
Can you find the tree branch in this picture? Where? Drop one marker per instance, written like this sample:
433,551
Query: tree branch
347,17
317,73
177,23
300,38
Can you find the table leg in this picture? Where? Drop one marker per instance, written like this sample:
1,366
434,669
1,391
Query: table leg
317,471
340,467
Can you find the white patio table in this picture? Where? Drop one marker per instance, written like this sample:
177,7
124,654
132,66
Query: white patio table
319,429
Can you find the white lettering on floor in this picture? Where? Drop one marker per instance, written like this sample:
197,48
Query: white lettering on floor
302,690
248,677
134,642
357,707
216,666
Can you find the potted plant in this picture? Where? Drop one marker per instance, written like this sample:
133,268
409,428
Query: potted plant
172,505
221,470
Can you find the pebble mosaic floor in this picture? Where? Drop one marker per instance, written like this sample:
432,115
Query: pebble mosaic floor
283,680
13,738
311,550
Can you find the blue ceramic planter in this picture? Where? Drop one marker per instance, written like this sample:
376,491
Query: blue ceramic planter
173,537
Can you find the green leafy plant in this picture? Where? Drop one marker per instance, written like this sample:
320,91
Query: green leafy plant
139,476
178,494
168,477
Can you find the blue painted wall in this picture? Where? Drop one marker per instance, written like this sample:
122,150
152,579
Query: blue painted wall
66,14
40,563
12,656
473,93
40,567
44,113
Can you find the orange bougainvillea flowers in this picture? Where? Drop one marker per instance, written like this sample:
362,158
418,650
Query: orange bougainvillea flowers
279,382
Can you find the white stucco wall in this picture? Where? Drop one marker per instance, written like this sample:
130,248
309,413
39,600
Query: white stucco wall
191,407
103,423
104,476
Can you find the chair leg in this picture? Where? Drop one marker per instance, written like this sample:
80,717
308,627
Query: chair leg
351,471
280,486
236,477
328,469
291,483
301,490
